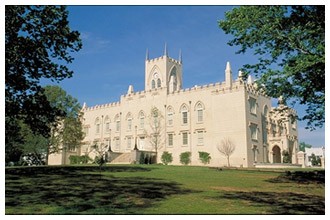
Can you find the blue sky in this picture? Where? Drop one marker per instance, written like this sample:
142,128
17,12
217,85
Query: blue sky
115,39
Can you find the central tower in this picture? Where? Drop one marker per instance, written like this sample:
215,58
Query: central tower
163,72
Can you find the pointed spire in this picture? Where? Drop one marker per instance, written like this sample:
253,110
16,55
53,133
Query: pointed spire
165,50
249,80
147,54
180,56
228,67
130,89
228,76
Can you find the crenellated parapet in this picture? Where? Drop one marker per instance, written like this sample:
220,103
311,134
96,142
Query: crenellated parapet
103,106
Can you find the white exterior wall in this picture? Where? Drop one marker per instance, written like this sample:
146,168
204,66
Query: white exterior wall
226,114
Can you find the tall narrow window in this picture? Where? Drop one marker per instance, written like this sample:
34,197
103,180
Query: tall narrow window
141,143
170,140
141,118
184,112
97,125
107,124
159,83
200,115
129,143
200,137
129,124
117,144
117,125
254,131
153,84
86,129
184,117
170,118
253,105
185,138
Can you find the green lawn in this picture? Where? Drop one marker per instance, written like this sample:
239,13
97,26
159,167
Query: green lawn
157,189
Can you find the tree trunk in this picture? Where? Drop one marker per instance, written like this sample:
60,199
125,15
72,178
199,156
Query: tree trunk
228,161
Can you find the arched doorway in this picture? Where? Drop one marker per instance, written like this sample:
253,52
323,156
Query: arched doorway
276,154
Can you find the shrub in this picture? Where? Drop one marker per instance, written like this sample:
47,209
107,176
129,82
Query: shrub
185,158
75,159
99,160
141,160
286,157
204,157
166,157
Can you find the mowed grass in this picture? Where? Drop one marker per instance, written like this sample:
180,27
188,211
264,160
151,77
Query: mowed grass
157,189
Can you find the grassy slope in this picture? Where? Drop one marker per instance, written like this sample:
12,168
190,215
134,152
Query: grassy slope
157,190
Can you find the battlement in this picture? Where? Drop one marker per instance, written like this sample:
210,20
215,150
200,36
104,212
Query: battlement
163,57
103,106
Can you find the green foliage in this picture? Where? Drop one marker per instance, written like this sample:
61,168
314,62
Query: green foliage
286,156
204,157
38,44
67,131
141,159
99,160
76,159
185,158
166,158
100,157
316,161
303,146
292,38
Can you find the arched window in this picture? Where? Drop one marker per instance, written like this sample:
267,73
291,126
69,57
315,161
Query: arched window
170,113
199,108
173,80
141,117
117,121
97,124
184,112
107,124
159,84
129,121
153,84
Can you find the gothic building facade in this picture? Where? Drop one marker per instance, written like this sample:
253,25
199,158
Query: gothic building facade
194,120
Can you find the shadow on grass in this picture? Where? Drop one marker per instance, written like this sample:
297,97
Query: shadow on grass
281,202
67,190
301,177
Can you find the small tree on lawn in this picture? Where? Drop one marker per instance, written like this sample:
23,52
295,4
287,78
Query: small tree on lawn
101,151
226,148
156,133
185,158
167,157
204,157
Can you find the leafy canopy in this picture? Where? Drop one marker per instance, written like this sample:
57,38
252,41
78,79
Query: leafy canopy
67,131
39,44
289,42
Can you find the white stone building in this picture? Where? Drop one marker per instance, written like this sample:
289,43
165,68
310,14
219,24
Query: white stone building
193,119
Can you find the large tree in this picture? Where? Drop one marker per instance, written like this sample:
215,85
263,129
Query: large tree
39,44
289,42
67,132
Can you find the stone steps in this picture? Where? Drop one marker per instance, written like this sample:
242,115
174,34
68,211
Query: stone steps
125,158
